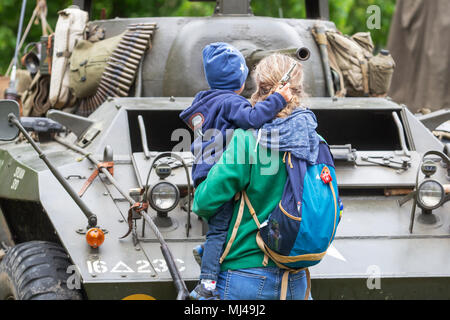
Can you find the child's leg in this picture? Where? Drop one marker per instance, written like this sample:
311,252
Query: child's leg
215,241
198,253
213,247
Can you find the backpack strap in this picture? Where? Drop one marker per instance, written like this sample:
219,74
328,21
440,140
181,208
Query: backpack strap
235,229
289,159
284,284
284,280
244,200
250,208
267,254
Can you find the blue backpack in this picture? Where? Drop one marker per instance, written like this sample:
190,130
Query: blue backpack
302,226
300,229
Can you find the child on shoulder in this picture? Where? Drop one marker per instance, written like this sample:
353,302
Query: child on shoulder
222,108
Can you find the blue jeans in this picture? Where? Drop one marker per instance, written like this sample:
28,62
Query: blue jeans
260,284
215,241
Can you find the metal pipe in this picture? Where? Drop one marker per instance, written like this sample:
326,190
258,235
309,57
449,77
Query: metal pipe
324,55
183,292
92,218
16,51
143,137
401,133
139,78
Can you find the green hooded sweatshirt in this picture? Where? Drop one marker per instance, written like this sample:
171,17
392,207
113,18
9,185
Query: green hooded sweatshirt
262,174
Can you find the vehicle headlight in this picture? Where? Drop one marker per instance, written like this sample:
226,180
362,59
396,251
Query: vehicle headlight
164,197
430,194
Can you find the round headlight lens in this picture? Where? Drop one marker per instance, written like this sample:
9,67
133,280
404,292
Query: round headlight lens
430,194
164,196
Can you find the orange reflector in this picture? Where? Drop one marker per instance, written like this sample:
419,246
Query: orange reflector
95,237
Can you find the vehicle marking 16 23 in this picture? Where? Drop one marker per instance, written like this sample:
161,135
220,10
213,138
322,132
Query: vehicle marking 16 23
142,266
18,176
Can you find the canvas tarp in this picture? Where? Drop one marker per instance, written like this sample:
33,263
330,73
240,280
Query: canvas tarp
419,42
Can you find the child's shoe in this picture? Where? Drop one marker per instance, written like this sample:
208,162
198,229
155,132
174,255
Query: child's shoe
201,293
198,253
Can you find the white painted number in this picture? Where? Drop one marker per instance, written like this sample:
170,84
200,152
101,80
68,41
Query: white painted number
15,184
145,266
160,265
18,175
97,266
181,266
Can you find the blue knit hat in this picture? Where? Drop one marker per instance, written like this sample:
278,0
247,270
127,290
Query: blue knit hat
225,66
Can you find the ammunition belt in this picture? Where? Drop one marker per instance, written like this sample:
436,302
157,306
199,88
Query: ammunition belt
35,99
41,104
122,66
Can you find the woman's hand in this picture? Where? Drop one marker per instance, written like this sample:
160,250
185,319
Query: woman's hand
285,91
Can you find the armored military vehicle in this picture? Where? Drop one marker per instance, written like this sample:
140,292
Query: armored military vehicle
130,153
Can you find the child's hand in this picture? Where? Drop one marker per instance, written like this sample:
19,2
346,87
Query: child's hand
285,92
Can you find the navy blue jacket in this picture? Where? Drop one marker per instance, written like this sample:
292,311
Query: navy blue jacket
223,110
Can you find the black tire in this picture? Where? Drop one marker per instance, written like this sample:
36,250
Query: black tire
36,270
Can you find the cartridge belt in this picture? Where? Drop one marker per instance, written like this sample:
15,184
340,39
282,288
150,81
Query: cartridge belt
122,66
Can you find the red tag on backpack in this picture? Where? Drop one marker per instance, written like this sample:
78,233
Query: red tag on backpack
326,176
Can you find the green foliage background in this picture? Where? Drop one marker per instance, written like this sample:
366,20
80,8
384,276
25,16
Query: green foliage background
350,16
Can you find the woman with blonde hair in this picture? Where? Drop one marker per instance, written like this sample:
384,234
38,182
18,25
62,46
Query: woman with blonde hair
254,163
267,75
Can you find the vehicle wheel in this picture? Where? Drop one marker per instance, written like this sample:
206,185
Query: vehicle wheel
36,270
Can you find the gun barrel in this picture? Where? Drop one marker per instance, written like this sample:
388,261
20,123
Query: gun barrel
253,57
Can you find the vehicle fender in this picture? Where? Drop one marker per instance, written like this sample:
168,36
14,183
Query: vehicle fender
5,232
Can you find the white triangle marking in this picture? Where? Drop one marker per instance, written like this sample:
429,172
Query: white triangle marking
121,267
332,251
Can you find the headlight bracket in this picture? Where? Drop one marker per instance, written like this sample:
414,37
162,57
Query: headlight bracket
155,206
415,195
